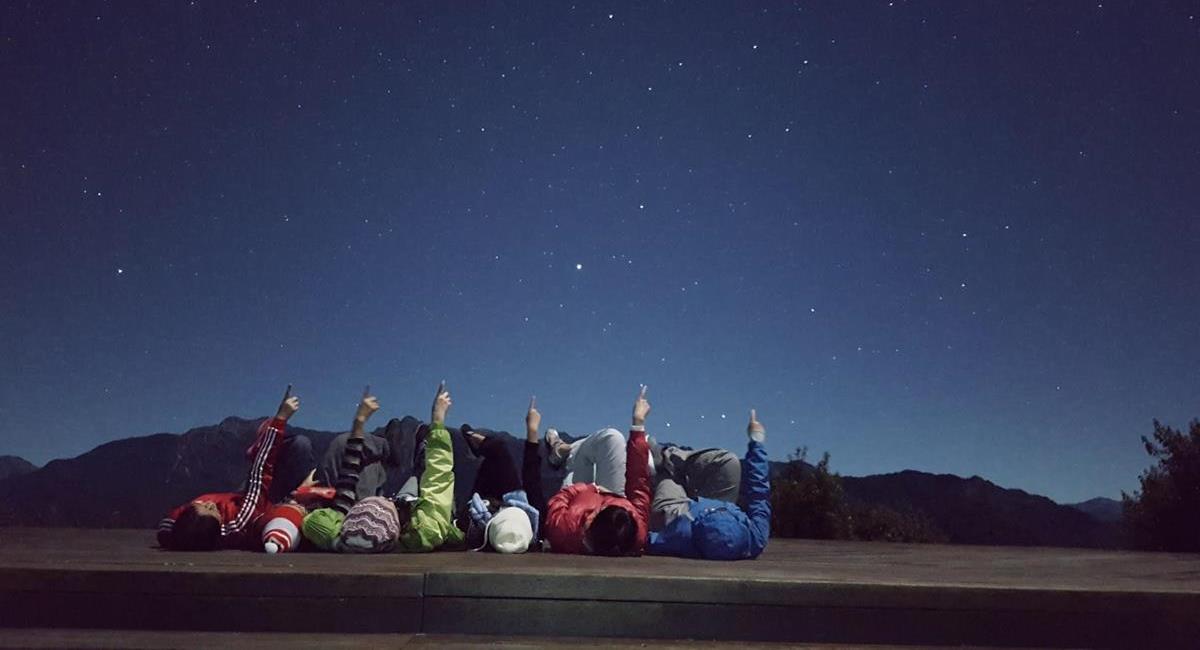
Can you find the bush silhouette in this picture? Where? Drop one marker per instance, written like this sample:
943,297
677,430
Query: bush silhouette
808,501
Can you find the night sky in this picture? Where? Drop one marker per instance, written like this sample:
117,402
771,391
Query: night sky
953,237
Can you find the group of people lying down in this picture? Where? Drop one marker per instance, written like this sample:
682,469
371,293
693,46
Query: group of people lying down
620,496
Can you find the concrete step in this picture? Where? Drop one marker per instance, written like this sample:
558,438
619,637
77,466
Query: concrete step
799,592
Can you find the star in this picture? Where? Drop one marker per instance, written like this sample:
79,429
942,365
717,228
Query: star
578,267
120,271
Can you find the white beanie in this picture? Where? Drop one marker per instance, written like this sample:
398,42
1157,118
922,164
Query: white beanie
509,531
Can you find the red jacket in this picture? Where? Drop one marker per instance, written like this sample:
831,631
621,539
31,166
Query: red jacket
241,512
569,509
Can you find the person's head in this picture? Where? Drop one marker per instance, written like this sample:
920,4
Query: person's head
613,532
322,527
197,528
510,531
371,526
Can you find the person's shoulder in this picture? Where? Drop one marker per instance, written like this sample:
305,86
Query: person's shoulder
613,499
375,443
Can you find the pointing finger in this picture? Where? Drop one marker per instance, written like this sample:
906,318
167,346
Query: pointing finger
642,395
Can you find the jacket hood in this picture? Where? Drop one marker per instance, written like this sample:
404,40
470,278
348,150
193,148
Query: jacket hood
720,534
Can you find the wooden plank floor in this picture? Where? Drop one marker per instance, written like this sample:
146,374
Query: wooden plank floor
785,559
799,590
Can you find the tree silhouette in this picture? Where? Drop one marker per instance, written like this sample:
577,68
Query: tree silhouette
809,501
1165,514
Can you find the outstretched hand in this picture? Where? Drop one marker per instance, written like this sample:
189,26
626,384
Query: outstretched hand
533,420
366,408
288,407
309,480
441,404
641,408
755,429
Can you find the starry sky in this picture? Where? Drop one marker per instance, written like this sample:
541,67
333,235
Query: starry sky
952,237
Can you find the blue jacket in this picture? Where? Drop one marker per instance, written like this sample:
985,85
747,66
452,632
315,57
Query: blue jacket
717,530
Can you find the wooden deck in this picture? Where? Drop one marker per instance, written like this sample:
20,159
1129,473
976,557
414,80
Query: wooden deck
799,591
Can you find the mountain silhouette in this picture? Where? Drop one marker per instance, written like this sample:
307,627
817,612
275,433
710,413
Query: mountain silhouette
976,511
1101,509
14,466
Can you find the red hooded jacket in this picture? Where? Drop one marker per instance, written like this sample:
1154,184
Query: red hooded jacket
241,512
568,511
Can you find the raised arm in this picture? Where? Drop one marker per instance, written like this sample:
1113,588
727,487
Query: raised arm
637,468
531,463
432,520
262,468
352,456
756,486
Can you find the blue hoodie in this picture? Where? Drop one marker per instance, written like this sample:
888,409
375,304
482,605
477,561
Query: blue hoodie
717,530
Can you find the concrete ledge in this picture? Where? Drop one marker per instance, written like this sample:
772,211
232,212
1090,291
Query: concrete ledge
855,625
51,638
781,591
184,611
122,582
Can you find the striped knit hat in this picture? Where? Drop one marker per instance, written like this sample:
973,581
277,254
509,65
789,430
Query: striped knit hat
321,527
282,531
371,527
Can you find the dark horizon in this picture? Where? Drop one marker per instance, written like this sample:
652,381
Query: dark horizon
952,239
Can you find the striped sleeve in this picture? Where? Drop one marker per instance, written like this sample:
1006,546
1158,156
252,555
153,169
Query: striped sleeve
166,526
347,480
270,435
